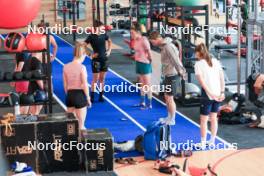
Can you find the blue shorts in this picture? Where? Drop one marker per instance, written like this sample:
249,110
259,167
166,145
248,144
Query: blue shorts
208,106
143,68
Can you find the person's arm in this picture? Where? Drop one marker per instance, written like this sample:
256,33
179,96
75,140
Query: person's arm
19,67
85,85
55,48
222,82
148,50
109,46
64,82
175,59
201,81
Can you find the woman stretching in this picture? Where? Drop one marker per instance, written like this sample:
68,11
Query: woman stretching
210,75
76,86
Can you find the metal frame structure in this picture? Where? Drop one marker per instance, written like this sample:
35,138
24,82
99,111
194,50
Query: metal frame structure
255,50
186,40
47,79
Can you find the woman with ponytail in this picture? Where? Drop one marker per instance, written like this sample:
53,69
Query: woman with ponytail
210,75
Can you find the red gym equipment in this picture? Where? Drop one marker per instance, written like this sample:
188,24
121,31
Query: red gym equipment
14,42
261,3
16,14
36,42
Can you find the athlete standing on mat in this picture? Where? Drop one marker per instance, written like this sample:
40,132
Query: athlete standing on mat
99,58
143,64
76,86
210,75
172,70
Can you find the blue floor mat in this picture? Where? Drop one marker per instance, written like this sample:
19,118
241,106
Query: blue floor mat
105,115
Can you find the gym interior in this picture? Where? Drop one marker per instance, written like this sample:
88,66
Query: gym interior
131,87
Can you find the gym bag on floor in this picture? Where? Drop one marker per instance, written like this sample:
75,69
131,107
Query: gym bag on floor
157,140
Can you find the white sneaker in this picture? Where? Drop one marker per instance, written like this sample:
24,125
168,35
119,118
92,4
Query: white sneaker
200,146
170,122
163,120
211,144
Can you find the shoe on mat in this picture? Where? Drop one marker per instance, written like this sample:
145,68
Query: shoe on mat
200,146
131,161
141,105
121,161
101,99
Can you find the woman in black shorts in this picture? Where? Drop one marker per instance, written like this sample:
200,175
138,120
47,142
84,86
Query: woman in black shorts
76,85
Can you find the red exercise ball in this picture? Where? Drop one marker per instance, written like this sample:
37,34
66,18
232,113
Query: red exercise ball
36,42
14,42
18,13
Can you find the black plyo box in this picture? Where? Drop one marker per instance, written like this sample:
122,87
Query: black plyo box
59,128
100,157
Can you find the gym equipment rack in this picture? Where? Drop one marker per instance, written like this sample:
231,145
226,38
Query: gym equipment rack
255,55
186,40
47,74
156,5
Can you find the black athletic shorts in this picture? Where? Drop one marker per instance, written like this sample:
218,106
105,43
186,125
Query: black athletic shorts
35,64
171,84
100,66
76,99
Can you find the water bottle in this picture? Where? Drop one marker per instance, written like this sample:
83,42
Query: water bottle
17,109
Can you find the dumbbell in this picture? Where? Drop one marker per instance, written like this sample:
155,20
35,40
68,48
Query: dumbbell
27,99
27,75
1,76
8,76
18,75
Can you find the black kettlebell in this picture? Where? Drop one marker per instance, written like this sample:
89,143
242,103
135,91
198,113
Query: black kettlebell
8,76
40,96
1,76
18,76
27,75
13,98
37,74
27,99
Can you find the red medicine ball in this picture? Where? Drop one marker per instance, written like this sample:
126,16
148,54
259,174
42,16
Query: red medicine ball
14,42
36,42
18,13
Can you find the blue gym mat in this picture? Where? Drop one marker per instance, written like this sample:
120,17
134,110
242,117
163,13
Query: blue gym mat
119,106
117,113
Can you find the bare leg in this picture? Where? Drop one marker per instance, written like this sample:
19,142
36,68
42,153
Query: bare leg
146,79
214,127
94,84
81,115
203,128
102,83
24,110
171,106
